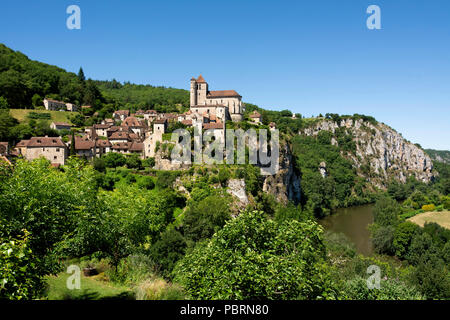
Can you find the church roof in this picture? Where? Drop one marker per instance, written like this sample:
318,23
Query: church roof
200,79
223,93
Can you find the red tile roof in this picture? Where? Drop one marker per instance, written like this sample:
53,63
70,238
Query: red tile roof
65,124
22,143
83,144
122,145
213,125
102,126
222,94
120,135
45,142
160,121
124,112
102,143
131,122
255,114
136,146
200,79
52,100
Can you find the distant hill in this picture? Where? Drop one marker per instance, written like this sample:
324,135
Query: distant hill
439,155
24,83
144,96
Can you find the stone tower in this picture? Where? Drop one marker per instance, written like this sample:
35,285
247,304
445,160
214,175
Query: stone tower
199,91
193,92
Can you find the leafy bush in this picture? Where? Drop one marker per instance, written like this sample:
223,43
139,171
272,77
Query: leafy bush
428,207
403,236
167,251
133,162
20,276
256,258
165,179
113,160
40,115
390,289
146,183
202,219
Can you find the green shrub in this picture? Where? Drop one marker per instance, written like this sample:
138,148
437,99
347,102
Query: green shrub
428,207
256,258
146,183
390,289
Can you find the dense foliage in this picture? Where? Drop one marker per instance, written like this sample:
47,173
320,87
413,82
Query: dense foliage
338,188
256,258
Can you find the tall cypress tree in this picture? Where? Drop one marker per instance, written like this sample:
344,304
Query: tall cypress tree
72,145
81,76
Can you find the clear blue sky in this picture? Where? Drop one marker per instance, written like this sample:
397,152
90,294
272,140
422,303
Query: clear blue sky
307,56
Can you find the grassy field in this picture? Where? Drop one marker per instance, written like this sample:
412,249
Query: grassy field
442,218
57,116
92,288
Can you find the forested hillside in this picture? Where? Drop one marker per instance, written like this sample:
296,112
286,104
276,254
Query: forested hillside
439,155
134,96
24,83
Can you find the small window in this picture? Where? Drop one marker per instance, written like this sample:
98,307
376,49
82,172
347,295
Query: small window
55,157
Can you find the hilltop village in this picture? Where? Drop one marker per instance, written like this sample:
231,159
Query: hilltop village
133,133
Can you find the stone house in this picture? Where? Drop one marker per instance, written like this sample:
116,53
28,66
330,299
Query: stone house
54,105
53,149
121,115
60,126
135,125
101,129
159,126
84,147
119,137
256,117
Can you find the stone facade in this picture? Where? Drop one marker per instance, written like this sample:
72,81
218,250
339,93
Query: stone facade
230,100
53,149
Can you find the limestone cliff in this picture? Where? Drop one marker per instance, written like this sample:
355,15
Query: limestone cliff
381,153
285,185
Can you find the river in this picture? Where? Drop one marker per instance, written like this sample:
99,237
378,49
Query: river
353,223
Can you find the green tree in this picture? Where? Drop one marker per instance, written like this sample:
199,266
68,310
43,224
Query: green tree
168,250
6,123
386,212
202,219
256,258
4,103
20,277
113,160
403,236
81,76
382,239
134,162
72,151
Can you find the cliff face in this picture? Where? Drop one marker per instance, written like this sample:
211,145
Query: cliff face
381,153
285,185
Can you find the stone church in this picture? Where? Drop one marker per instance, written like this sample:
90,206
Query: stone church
224,104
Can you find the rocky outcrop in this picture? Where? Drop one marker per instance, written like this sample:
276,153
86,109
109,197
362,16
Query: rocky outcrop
381,149
285,184
236,187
